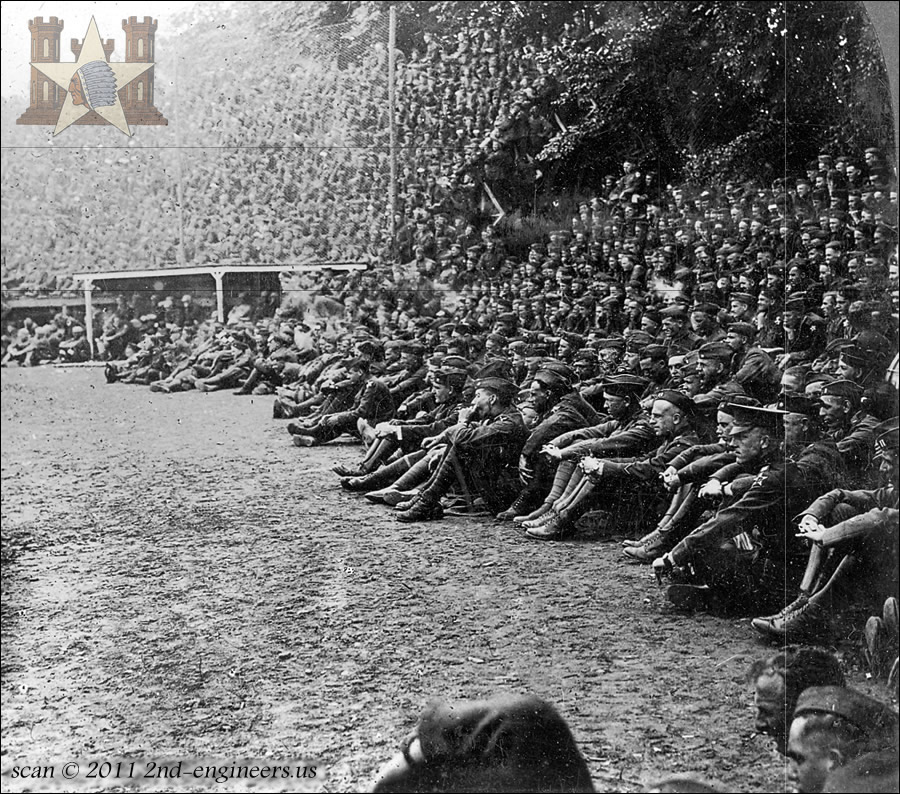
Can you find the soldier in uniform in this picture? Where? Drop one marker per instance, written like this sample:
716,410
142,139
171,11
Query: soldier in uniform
407,435
833,726
678,338
751,367
745,553
372,403
481,452
852,429
853,534
632,479
560,409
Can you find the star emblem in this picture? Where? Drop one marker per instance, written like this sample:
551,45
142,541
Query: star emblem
91,70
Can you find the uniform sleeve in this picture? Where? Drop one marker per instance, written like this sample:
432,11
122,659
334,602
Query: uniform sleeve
646,469
552,427
861,526
750,510
703,467
484,435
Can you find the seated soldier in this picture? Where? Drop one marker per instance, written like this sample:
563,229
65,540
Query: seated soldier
407,436
623,480
695,464
831,727
75,350
373,402
560,409
480,453
626,432
853,535
507,743
779,680
746,553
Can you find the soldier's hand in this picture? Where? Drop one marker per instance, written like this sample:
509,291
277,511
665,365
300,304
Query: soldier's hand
591,466
465,414
809,524
711,490
670,478
662,566
552,451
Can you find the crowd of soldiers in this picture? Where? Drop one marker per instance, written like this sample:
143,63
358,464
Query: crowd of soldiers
710,377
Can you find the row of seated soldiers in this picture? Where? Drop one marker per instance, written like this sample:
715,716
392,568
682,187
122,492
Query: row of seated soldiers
747,486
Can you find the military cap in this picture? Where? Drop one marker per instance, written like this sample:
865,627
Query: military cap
463,328
588,354
453,376
538,248
855,356
367,346
394,344
539,350
677,312
637,340
609,300
411,346
776,269
728,405
887,437
451,327
457,362
497,339
516,345
506,317
749,416
743,297
680,400
689,360
676,361
744,329
475,250
706,308
796,302
844,389
798,404
505,389
611,343
833,244
715,350
869,715
624,385
555,379
572,339
654,352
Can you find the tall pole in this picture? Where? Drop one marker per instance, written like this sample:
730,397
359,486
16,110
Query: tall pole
392,102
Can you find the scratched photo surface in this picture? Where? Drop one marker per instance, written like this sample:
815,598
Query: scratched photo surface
240,238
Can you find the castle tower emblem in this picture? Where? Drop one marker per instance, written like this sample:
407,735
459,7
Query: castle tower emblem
92,90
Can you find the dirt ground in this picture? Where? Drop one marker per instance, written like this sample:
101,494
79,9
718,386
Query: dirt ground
181,582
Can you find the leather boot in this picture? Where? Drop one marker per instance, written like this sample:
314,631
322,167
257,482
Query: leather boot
517,508
559,527
380,478
422,510
767,624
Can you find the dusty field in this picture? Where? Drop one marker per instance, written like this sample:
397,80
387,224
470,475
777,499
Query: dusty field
181,582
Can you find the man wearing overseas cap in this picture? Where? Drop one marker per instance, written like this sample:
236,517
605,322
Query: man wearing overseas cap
746,553
632,481
804,331
751,367
714,368
447,384
850,427
411,377
560,409
481,453
677,335
853,535
831,727
627,431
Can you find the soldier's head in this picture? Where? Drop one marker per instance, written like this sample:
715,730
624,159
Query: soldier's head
712,364
779,680
755,433
621,393
358,369
447,383
493,396
800,421
832,726
547,388
839,401
671,413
